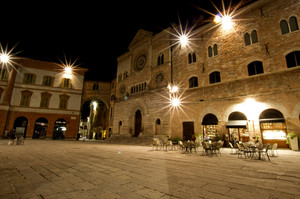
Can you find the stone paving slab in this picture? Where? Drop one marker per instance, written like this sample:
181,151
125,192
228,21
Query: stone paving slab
73,169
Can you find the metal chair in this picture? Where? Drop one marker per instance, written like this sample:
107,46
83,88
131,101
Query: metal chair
232,149
274,148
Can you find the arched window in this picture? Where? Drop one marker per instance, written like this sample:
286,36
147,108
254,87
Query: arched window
254,37
255,68
215,50
194,57
209,51
293,59
95,86
247,39
120,78
158,60
284,27
3,74
125,75
190,58
193,82
293,24
214,77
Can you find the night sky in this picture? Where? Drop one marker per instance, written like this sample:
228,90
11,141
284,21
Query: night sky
93,32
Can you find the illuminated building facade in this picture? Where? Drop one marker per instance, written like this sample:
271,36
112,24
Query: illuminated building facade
40,100
238,84
95,110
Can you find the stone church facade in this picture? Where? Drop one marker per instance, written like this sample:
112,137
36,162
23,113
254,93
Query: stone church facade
239,84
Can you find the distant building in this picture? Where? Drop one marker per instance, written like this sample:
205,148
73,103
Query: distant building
95,109
40,100
239,84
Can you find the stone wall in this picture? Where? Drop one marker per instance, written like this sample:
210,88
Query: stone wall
277,88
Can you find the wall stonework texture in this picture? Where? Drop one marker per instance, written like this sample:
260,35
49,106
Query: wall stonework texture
277,88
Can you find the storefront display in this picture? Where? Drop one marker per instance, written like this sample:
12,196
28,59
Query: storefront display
238,134
274,132
210,131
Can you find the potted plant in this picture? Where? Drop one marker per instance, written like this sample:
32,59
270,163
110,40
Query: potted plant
292,140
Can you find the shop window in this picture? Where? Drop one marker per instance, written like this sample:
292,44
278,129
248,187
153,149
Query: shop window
45,100
210,123
284,27
3,74
40,128
293,59
293,24
273,127
29,78
25,98
255,68
63,102
193,82
48,81
237,127
214,77
66,83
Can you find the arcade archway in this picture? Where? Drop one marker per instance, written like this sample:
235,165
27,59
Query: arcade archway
20,126
40,128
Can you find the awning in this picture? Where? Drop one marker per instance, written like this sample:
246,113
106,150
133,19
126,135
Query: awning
272,120
236,124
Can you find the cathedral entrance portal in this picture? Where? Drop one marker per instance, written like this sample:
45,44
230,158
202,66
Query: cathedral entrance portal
138,123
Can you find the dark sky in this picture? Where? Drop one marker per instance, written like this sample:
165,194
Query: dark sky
95,32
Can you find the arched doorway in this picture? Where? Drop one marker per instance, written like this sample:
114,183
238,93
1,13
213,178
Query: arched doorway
210,123
157,127
20,126
273,127
137,123
60,127
94,116
40,128
237,127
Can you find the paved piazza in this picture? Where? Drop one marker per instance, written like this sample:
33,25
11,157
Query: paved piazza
70,169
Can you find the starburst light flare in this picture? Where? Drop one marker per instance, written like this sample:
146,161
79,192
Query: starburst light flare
4,58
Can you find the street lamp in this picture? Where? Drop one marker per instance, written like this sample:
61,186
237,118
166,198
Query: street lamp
68,72
4,58
224,20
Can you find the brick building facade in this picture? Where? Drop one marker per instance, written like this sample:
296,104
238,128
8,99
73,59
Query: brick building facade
237,84
40,100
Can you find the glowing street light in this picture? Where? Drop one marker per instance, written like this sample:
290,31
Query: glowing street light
225,20
4,58
175,102
173,88
68,72
183,40
95,104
